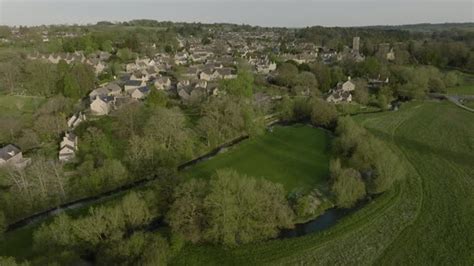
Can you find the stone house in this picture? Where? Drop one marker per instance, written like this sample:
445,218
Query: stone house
131,85
162,83
102,105
12,155
75,120
68,147
140,93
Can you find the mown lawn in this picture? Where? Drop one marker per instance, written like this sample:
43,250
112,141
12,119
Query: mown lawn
425,220
295,156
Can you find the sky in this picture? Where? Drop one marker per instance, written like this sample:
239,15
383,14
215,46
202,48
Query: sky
285,13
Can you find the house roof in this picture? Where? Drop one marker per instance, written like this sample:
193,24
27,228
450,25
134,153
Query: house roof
106,99
7,152
113,87
144,89
70,136
132,82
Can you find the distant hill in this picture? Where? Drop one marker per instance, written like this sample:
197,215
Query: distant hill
428,27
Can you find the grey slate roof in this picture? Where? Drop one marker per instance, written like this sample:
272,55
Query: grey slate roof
9,151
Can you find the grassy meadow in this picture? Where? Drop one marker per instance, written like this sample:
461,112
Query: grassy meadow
294,156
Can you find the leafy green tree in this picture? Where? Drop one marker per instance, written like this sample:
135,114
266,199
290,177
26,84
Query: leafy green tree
71,87
3,224
225,118
323,75
125,54
230,209
233,216
361,93
347,185
157,98
323,113
451,79
436,84
168,129
9,261
384,97
286,74
41,78
241,86
187,213
285,109
10,75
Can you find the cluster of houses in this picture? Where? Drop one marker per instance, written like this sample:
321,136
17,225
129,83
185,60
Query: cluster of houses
342,92
68,146
96,60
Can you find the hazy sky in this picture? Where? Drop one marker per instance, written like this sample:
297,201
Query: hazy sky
296,13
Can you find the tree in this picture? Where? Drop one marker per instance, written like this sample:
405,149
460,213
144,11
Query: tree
347,185
286,74
436,84
243,209
156,98
285,109
305,83
323,113
384,97
9,261
103,226
187,213
41,78
10,74
323,75
451,79
167,127
361,93
125,54
241,86
230,209
3,223
224,118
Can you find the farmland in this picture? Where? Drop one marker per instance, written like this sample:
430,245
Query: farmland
425,219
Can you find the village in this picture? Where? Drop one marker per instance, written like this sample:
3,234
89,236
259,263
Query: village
194,72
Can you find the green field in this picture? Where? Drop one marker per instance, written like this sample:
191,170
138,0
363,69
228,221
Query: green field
461,90
295,156
18,105
427,219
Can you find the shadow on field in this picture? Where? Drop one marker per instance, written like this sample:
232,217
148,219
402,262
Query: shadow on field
462,158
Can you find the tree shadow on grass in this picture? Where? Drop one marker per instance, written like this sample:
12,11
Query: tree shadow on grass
462,158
